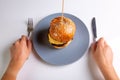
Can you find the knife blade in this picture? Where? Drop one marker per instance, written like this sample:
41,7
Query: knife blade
94,29
30,26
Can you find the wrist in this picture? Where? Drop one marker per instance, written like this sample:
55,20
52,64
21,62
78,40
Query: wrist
14,66
106,66
12,70
109,72
11,73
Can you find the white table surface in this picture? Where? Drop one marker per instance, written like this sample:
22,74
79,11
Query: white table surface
13,19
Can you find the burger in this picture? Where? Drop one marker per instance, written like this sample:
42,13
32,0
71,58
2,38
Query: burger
61,32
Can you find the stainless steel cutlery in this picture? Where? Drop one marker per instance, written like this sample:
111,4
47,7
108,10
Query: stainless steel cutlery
94,29
30,26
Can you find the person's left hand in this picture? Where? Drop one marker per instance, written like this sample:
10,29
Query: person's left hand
21,49
20,52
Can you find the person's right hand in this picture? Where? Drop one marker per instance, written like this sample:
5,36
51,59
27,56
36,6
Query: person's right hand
103,56
102,53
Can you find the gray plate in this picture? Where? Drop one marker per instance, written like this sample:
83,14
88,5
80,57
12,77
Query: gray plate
74,51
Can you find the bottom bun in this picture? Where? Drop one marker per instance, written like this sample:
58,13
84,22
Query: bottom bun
62,46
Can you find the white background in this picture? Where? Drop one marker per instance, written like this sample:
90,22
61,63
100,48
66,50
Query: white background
13,19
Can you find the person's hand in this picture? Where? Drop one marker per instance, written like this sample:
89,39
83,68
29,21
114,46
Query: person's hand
103,56
21,49
102,53
20,52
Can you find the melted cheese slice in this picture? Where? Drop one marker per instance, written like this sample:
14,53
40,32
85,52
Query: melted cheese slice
52,41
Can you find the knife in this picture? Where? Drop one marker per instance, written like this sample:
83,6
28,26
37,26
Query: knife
30,26
94,29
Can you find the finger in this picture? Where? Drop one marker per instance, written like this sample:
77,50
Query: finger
16,42
93,47
19,40
24,39
100,42
105,43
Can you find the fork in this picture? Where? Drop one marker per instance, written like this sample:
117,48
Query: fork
30,26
